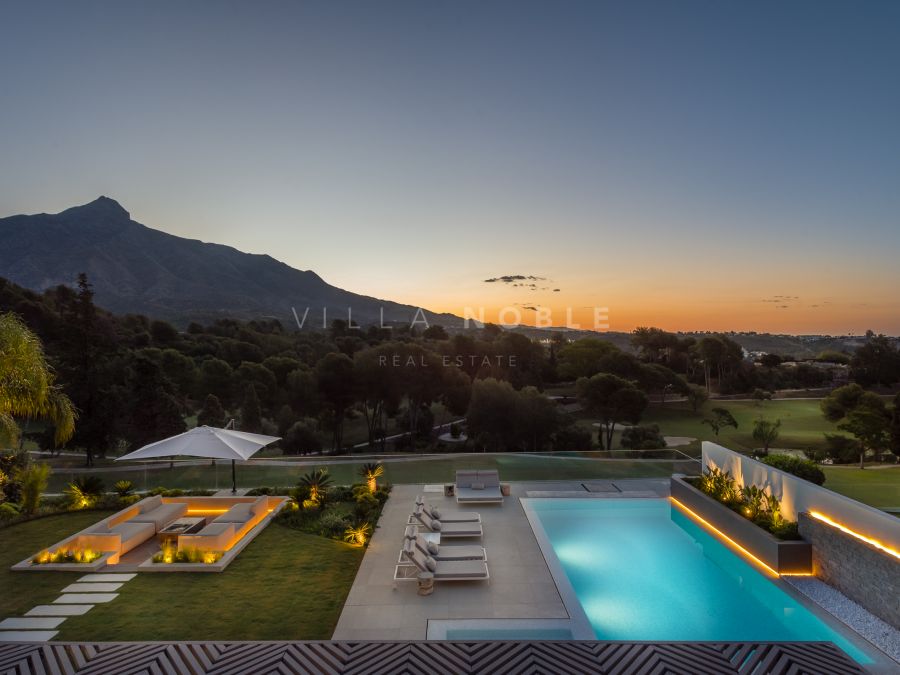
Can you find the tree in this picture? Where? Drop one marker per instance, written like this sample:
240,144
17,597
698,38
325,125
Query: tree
317,484
895,427
613,400
696,396
537,419
876,362
861,413
491,408
582,357
212,414
770,360
251,413
720,419
766,432
870,427
335,380
217,377
643,438
301,438
27,384
155,413
435,332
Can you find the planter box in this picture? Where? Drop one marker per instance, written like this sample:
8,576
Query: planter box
785,557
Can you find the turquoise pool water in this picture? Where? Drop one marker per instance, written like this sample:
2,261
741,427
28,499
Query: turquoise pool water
643,570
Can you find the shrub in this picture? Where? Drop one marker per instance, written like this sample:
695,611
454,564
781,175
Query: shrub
643,438
33,479
123,488
786,529
797,466
332,523
358,534
169,554
85,491
8,511
572,439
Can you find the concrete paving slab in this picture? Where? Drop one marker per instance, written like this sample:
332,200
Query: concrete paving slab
58,610
108,578
27,635
31,623
91,588
85,598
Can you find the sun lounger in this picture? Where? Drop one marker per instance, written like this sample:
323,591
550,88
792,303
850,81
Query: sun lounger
449,529
447,516
478,487
438,552
456,570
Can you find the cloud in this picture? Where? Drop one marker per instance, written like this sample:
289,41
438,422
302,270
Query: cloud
514,278
780,299
556,290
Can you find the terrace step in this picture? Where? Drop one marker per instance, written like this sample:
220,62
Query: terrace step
27,635
58,610
85,598
27,623
107,577
91,588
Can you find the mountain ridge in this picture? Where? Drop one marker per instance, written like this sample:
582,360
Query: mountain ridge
137,269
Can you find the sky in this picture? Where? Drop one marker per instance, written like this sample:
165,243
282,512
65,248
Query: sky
693,165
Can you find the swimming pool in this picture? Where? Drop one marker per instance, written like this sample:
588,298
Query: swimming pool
643,570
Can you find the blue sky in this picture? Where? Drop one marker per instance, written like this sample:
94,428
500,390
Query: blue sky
679,162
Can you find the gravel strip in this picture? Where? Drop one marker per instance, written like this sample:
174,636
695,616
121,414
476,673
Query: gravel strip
869,626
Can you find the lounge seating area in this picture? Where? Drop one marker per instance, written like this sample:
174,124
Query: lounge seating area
478,487
423,558
133,536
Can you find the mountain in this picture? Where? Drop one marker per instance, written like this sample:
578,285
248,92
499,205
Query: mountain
136,269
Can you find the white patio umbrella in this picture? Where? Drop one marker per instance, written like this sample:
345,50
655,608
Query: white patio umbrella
210,442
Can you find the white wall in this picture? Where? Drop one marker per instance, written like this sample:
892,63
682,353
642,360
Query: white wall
798,495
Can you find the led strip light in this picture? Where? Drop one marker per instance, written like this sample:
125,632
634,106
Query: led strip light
725,537
872,542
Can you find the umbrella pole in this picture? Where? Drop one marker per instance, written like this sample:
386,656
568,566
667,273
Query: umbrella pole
233,479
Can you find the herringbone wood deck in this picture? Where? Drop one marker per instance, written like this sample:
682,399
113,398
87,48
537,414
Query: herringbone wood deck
425,658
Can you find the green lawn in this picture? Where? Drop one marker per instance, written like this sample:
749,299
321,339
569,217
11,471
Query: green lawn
876,487
802,423
285,585
23,590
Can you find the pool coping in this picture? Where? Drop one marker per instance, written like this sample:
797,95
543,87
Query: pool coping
881,662
579,623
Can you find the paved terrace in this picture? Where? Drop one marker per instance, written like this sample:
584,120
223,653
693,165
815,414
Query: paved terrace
520,587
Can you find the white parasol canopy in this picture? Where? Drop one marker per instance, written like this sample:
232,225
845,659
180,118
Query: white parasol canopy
209,442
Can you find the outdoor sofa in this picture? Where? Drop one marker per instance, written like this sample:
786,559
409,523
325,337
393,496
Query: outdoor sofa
228,528
132,527
478,487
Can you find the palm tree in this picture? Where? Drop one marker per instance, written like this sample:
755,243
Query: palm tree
27,387
317,482
371,472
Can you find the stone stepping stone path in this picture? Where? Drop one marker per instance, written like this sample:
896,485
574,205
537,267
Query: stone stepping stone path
39,623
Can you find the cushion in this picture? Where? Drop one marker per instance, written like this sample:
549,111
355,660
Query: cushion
478,486
239,513
432,548
151,503
431,564
162,515
261,505
436,525
435,514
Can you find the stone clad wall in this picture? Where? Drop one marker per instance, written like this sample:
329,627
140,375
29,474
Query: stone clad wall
860,571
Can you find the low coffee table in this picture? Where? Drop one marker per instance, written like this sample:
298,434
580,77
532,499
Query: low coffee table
169,534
